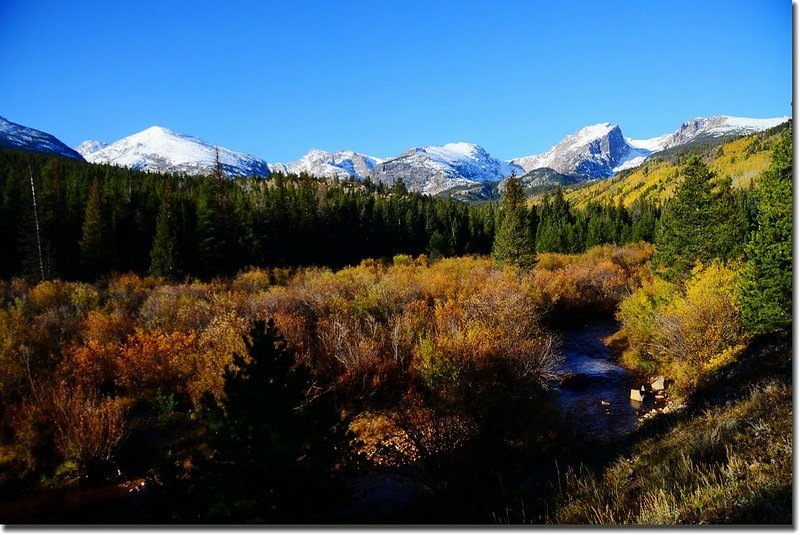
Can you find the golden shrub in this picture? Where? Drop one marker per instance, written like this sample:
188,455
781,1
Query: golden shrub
91,359
251,281
49,294
152,360
22,347
640,328
703,321
178,307
687,331
217,344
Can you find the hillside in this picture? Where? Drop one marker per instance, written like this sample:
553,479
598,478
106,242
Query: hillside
742,159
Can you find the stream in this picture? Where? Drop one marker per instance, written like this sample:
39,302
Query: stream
596,404
598,400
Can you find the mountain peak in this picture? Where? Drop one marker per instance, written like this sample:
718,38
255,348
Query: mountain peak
434,169
156,129
703,128
341,164
594,131
594,151
159,149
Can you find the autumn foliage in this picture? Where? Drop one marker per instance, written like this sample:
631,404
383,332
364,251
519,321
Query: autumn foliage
426,345
687,330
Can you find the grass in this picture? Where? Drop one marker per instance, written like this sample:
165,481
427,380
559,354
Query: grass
729,462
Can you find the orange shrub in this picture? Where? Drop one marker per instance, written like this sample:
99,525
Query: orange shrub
461,356
91,360
599,278
358,352
451,278
296,330
150,360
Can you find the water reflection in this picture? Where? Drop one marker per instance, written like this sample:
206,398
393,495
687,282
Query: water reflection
602,407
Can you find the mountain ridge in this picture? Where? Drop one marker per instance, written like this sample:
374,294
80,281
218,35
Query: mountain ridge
340,164
17,136
593,152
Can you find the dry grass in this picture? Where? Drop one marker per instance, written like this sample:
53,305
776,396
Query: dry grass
730,465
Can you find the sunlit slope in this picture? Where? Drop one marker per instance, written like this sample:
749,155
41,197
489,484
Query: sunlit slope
741,158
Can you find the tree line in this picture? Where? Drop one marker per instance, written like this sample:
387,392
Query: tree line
79,221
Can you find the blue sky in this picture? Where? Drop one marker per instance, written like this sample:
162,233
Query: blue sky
278,78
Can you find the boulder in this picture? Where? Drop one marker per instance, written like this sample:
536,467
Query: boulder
658,384
637,394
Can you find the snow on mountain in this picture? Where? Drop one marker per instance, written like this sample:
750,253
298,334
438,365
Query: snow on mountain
703,128
435,169
341,164
17,136
595,151
157,149
89,146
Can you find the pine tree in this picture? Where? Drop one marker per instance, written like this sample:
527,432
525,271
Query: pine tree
513,243
699,224
275,447
644,218
730,222
438,247
95,244
215,239
765,285
164,255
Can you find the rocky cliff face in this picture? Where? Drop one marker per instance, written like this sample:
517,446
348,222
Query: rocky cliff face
595,151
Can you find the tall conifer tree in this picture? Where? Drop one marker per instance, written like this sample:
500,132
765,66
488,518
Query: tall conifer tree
765,286
95,244
164,255
513,243
699,224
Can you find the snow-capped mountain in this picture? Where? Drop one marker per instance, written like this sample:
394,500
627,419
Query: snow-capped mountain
157,149
595,151
600,150
436,169
340,164
89,146
704,128
16,136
